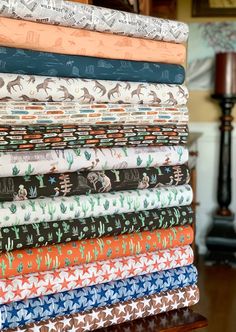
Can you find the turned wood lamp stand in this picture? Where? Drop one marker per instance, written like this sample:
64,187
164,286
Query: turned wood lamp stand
221,241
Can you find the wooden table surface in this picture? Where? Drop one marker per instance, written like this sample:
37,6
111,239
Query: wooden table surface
182,320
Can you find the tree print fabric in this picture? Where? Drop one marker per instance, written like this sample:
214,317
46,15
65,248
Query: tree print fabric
62,161
43,234
84,206
66,40
29,62
50,282
39,137
86,182
96,18
73,253
87,298
86,91
25,113
120,313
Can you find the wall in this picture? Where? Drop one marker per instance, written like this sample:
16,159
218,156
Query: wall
204,115
202,108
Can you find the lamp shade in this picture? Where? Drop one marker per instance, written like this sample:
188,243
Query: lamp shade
225,74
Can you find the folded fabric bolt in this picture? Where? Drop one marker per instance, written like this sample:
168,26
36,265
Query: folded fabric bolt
61,161
118,313
19,61
87,298
39,137
43,234
66,40
69,278
74,253
25,113
73,207
96,18
84,91
79,183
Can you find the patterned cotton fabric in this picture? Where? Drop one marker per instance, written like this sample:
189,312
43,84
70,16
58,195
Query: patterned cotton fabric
83,206
62,161
26,138
20,61
47,233
91,182
120,313
33,88
25,113
74,253
87,298
96,18
69,278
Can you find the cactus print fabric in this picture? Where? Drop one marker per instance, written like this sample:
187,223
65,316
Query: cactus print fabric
82,16
21,188
25,113
96,296
73,253
50,282
123,312
26,138
66,40
42,234
33,88
91,159
84,206
19,61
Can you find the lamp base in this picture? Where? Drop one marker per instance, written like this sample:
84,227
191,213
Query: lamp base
221,241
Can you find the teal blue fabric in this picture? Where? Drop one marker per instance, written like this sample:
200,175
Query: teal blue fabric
21,61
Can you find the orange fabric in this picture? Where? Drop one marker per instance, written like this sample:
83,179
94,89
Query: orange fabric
64,40
79,252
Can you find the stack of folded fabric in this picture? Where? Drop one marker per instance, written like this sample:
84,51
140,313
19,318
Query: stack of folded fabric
95,216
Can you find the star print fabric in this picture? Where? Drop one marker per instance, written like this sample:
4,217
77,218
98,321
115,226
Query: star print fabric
48,233
87,298
74,253
49,282
61,161
90,182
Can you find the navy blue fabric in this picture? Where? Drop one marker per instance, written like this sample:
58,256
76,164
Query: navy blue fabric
21,61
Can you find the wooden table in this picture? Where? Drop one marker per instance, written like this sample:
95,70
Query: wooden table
182,320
